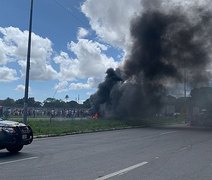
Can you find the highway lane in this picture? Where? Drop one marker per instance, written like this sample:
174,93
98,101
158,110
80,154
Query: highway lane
168,153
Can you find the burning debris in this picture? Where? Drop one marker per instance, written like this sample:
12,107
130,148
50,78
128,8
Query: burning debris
166,44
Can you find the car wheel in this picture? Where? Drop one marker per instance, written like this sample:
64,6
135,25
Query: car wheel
14,149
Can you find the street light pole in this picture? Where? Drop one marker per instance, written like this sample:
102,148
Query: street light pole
185,82
28,67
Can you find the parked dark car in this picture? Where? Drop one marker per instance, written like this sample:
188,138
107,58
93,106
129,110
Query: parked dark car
14,135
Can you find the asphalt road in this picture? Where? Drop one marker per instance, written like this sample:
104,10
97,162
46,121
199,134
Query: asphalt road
133,154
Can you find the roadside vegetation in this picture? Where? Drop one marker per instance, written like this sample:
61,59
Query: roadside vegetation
60,127
43,126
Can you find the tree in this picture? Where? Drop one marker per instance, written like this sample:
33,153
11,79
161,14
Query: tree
33,103
66,98
54,103
19,102
48,100
87,104
9,102
72,104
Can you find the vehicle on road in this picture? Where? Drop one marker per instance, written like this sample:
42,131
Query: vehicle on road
14,135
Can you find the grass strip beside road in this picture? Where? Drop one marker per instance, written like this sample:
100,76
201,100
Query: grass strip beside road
44,127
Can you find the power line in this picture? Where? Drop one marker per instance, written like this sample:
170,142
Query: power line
76,19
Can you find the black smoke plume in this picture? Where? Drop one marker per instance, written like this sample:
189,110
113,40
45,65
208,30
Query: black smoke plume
166,44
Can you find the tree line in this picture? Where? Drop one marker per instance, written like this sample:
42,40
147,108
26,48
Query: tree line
48,103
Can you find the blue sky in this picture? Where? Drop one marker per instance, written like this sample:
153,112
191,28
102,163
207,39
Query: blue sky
74,42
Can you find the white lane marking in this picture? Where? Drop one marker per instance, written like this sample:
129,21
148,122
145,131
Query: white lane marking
19,160
122,171
184,148
170,132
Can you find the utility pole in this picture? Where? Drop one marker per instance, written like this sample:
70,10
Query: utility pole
185,93
185,82
28,67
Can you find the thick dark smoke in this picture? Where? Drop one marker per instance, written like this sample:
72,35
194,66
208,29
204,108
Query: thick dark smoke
166,45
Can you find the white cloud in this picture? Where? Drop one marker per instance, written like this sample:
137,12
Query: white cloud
82,33
187,5
3,57
21,88
91,83
14,43
90,62
7,74
111,19
61,86
64,86
75,86
68,67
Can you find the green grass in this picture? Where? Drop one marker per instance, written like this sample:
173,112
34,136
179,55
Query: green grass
43,126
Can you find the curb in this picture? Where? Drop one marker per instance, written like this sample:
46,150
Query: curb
84,132
178,126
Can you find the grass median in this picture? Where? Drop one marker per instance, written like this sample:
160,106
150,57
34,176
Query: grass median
43,126
55,127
